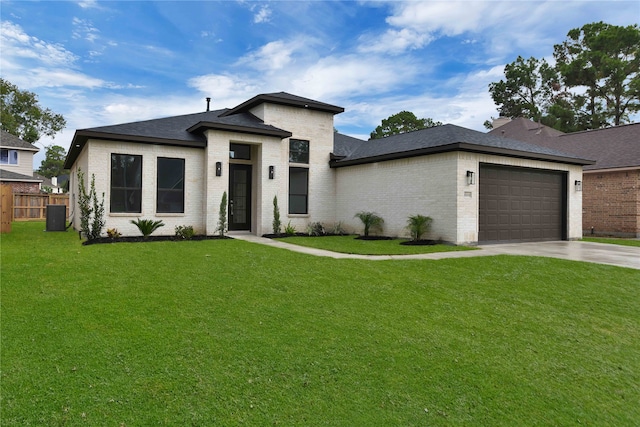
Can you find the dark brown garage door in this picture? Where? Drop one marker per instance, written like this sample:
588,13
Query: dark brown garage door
521,204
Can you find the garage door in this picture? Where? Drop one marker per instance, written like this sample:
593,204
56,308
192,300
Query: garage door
521,204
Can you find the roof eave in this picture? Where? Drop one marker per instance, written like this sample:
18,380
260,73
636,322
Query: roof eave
266,98
202,126
82,136
461,146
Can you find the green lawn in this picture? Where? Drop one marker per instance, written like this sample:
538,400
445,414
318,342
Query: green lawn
351,245
226,332
613,241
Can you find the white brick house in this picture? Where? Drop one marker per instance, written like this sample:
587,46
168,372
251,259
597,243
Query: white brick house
176,169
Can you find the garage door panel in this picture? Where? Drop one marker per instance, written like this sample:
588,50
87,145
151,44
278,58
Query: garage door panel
521,204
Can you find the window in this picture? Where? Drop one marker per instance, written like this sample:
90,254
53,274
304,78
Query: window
8,157
298,177
126,183
298,190
298,151
240,151
170,197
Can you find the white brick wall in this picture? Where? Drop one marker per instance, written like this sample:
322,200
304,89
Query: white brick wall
317,128
96,159
435,186
398,188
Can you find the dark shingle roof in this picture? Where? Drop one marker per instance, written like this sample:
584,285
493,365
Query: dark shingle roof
449,138
284,98
183,130
343,145
8,140
611,148
6,175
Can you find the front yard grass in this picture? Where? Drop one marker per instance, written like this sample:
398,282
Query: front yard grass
226,332
613,241
351,245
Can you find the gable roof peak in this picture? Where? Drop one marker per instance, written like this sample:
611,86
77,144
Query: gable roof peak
284,98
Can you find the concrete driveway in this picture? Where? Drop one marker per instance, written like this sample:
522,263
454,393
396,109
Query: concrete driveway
601,253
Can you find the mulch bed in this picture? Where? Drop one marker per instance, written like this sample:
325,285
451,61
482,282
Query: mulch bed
140,239
420,242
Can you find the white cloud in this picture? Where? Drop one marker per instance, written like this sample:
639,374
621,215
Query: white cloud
225,90
88,4
83,29
17,45
450,18
337,77
394,41
263,15
277,55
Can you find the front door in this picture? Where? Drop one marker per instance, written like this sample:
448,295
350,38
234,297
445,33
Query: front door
239,197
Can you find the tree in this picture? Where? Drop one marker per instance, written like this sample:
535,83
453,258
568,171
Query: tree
595,83
53,163
605,59
404,121
20,114
527,90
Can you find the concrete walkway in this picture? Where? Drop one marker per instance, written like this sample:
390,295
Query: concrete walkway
601,253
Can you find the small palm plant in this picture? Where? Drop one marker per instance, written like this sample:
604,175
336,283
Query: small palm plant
418,225
371,220
147,226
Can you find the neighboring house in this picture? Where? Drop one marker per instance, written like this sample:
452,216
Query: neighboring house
610,186
16,164
476,187
50,185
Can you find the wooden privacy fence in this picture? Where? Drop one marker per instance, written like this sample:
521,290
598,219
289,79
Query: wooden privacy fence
33,207
6,208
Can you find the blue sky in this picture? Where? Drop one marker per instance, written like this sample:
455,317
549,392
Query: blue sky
102,63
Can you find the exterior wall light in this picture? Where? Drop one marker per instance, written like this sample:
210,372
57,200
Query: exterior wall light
471,178
218,168
272,172
578,185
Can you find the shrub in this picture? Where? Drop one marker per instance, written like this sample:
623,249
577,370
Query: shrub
147,226
418,225
91,211
290,230
316,229
113,233
338,229
184,232
277,224
370,220
222,215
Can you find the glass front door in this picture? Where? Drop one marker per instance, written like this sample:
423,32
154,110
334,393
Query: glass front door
239,197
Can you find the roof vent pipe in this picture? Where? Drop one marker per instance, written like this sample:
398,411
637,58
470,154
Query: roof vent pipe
208,102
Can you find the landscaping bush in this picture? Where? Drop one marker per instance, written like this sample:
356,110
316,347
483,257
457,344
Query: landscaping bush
370,220
184,232
222,216
277,224
418,225
290,229
113,233
147,226
316,229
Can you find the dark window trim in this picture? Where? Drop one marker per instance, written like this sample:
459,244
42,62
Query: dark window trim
129,188
305,153
169,190
306,194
